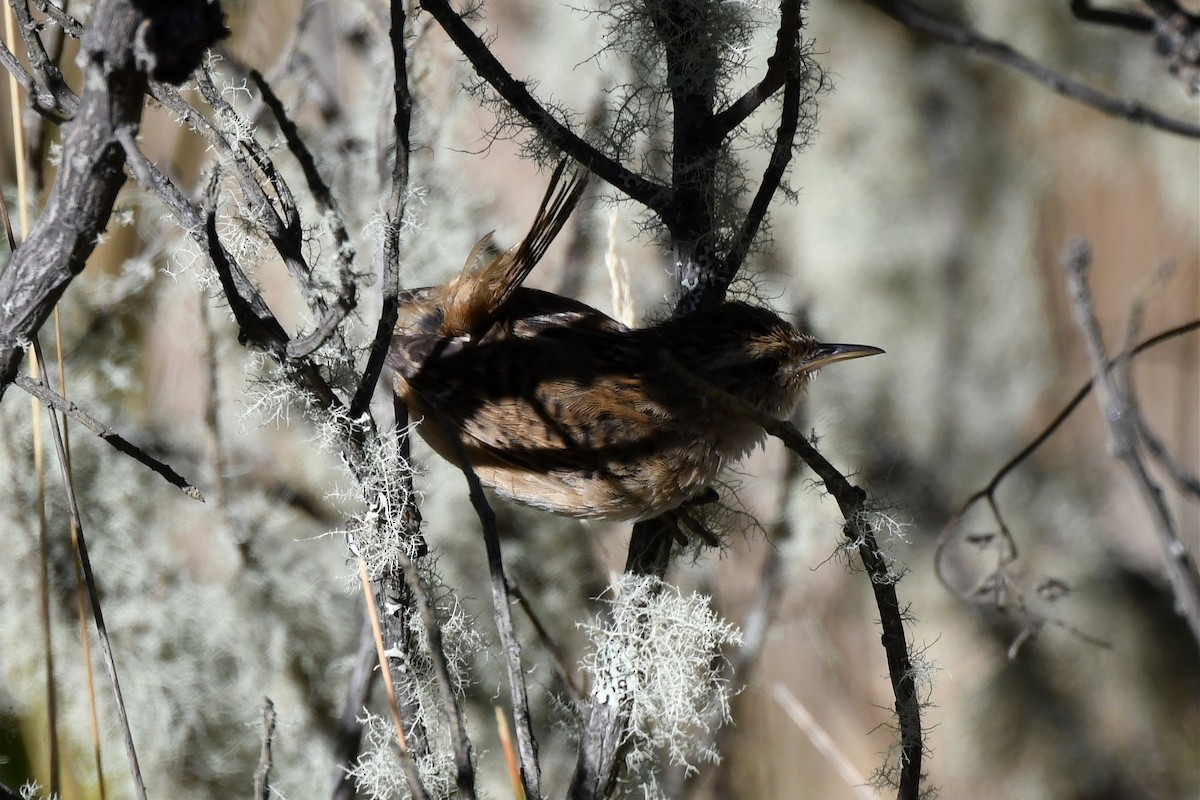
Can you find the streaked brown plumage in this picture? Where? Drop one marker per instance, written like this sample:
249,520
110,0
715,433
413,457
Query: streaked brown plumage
556,405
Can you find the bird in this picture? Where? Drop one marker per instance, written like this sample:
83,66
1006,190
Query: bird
558,406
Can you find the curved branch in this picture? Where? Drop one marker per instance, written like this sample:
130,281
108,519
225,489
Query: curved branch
781,156
851,501
918,19
997,587
491,70
1061,417
778,68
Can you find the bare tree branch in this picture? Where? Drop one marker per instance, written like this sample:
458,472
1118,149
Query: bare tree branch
851,501
65,21
53,98
1062,416
646,192
278,216
705,266
779,67
343,249
781,156
1117,406
54,400
502,607
918,19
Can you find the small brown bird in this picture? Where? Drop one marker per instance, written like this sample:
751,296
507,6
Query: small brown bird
556,405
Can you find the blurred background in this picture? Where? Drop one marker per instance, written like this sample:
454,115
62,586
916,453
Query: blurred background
933,209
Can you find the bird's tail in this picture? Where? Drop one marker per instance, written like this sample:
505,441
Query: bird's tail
477,296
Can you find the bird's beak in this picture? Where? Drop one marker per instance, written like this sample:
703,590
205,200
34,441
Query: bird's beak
824,354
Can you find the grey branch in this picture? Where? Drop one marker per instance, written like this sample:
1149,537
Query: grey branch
53,399
918,19
502,607
56,249
1114,394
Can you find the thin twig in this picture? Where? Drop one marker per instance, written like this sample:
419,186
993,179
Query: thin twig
94,594
38,127
67,22
991,584
53,97
327,203
16,70
779,68
502,606
278,216
1070,407
565,672
781,156
918,19
257,323
54,400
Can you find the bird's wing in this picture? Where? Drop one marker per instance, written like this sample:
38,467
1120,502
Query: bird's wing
540,395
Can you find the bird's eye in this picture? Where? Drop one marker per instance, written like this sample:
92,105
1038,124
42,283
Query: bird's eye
767,367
